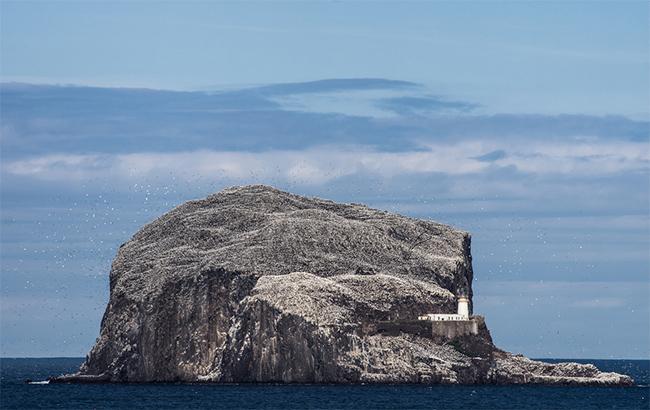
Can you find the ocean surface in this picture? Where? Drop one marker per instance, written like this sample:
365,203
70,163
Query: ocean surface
16,394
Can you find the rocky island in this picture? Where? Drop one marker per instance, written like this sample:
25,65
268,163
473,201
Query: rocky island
253,284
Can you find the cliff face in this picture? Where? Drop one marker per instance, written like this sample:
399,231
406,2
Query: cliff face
258,285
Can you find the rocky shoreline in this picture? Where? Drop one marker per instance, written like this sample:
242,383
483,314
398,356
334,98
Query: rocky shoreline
257,285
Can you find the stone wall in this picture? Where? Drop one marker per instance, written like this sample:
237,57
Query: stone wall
454,328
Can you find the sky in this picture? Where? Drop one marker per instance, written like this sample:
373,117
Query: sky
526,124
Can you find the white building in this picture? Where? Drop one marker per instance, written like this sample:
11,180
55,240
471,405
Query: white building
463,313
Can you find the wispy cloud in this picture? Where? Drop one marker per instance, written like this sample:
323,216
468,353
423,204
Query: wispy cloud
422,105
492,156
41,120
322,164
331,85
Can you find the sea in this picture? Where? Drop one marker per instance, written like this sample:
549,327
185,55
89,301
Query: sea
16,394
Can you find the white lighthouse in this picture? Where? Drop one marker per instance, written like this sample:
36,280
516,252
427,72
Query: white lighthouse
461,315
463,307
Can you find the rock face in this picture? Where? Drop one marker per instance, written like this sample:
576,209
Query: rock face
253,284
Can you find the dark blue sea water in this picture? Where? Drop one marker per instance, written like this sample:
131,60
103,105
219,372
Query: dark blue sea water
16,394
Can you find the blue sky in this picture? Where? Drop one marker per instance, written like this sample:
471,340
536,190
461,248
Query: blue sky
526,124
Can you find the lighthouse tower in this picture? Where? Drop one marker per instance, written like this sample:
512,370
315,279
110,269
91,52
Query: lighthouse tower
463,307
462,315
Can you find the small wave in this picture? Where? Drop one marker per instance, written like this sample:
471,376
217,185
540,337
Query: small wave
41,382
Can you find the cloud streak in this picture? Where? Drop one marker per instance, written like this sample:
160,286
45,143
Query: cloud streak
422,105
323,164
40,120
330,85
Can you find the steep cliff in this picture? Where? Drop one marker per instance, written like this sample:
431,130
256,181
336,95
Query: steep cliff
253,284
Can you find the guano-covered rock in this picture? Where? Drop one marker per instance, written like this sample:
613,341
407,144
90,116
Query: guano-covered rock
253,284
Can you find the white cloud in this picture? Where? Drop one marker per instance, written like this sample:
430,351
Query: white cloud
583,158
323,164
